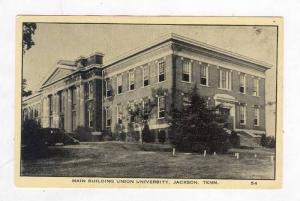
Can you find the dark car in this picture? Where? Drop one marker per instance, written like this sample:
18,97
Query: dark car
54,136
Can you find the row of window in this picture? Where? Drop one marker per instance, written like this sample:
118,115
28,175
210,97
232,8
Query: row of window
243,115
132,80
161,111
224,78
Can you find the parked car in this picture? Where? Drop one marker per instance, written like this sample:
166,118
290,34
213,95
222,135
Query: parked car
53,136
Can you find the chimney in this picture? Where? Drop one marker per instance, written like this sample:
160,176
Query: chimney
96,58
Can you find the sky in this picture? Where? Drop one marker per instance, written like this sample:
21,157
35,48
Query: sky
55,42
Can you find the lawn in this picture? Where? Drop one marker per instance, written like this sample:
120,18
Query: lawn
132,160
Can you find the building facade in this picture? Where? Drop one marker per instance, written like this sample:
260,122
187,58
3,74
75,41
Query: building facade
88,93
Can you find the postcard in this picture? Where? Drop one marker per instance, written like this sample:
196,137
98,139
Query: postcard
149,102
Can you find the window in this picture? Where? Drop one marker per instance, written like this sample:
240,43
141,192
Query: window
186,71
161,71
73,94
119,83
91,90
242,114
255,87
108,88
131,108
36,113
73,120
91,117
119,114
50,99
161,107
146,75
131,79
186,101
50,122
256,116
61,102
146,107
224,79
108,118
204,74
243,83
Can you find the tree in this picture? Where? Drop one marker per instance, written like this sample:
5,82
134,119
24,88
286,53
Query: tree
195,125
27,43
141,112
24,86
28,32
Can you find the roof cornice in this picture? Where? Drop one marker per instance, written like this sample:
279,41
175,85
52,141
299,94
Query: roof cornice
182,39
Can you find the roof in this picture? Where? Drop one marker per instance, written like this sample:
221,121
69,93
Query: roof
179,38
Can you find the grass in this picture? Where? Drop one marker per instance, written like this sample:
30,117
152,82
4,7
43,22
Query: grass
132,160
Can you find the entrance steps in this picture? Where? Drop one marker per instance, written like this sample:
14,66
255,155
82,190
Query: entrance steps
249,138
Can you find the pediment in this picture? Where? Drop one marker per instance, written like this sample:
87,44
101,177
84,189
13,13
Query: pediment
58,74
225,97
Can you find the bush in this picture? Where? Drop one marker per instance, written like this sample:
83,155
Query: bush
147,135
234,139
33,142
136,136
83,134
212,138
218,139
268,141
162,136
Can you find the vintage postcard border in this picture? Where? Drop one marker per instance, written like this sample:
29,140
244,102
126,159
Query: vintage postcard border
25,181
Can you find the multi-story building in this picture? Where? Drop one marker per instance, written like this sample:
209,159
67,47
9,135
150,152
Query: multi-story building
88,93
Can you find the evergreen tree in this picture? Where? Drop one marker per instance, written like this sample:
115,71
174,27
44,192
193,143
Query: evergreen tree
195,125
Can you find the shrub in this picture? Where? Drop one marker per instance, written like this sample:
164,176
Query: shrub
218,139
147,135
268,141
212,138
107,135
34,143
83,134
136,136
162,136
234,139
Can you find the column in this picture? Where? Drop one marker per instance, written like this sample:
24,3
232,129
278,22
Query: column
77,109
55,111
68,115
46,112
65,94
81,105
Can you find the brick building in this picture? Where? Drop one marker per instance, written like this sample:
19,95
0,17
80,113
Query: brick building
88,93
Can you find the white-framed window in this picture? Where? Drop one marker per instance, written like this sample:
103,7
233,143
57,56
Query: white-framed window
186,101
242,83
186,71
74,123
224,79
256,116
255,87
243,114
146,75
91,117
108,117
131,78
119,114
108,87
161,107
204,74
120,84
73,98
61,102
131,107
161,71
146,107
91,90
